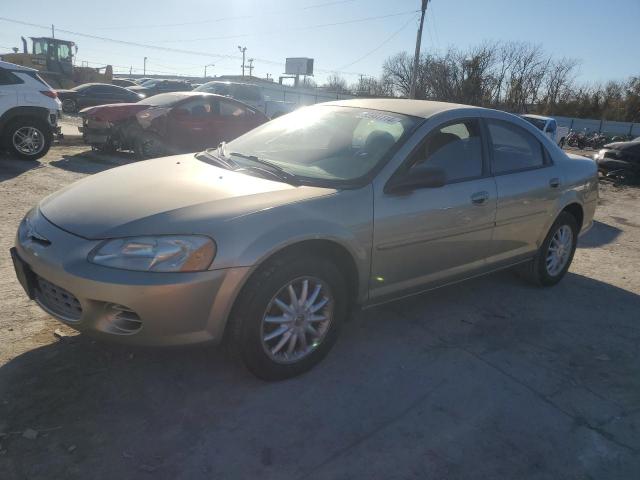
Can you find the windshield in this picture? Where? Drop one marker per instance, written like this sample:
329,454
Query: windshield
149,83
536,122
326,142
162,100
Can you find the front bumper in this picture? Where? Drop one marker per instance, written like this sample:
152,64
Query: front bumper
137,308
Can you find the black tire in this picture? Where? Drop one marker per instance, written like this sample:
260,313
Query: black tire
147,145
43,129
246,324
69,106
535,271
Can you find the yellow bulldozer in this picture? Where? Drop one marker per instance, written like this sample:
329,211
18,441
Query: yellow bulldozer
54,60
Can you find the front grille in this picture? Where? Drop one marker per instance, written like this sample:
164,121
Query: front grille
57,300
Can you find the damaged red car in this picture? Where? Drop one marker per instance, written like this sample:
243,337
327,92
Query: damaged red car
168,123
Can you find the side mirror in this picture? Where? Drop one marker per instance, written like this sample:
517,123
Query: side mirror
419,178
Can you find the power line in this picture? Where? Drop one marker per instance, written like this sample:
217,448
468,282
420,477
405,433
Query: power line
391,37
223,19
288,30
160,48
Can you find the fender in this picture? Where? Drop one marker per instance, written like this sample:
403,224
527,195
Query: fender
24,111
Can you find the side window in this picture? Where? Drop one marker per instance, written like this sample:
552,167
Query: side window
513,148
455,148
228,109
8,78
247,94
198,108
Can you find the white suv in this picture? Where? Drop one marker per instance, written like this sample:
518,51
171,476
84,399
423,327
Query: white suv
29,111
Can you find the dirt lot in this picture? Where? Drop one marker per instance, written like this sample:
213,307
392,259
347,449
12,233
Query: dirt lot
487,379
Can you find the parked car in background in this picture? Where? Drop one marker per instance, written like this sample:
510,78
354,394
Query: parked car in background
621,159
549,127
155,86
29,111
250,94
271,239
123,82
168,123
90,94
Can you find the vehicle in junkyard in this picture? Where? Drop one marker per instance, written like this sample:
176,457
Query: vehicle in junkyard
124,82
92,94
250,94
156,86
29,112
168,123
270,240
549,127
620,160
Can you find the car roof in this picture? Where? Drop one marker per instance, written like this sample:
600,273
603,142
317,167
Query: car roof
415,108
229,82
16,68
539,117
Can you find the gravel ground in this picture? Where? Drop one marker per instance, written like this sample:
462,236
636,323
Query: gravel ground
491,378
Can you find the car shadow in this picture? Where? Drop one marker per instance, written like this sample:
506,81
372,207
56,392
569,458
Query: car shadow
599,235
103,410
11,167
91,161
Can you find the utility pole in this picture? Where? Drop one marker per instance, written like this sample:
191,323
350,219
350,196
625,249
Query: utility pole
250,67
205,69
243,50
53,31
416,58
144,68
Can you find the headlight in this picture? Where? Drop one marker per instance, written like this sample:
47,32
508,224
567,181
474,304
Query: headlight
170,253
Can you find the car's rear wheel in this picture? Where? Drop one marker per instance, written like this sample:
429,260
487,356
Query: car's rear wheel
554,256
28,138
288,316
69,106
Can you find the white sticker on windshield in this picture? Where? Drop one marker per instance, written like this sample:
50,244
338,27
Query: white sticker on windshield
379,116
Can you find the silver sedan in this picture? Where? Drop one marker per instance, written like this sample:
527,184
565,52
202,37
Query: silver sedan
270,240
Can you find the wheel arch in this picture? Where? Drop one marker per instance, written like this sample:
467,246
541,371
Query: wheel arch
576,210
15,113
327,248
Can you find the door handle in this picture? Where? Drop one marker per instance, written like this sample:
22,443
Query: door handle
479,198
554,182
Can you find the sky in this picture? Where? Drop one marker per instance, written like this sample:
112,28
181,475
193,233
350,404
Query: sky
352,37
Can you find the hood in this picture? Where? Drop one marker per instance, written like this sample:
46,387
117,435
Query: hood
623,145
170,195
115,111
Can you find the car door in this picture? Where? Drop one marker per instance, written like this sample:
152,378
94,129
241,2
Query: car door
429,236
528,186
232,120
88,97
189,125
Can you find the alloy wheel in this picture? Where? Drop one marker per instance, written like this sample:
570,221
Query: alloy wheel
297,319
28,140
559,250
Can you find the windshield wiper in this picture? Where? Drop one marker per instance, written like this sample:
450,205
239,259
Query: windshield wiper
272,168
214,154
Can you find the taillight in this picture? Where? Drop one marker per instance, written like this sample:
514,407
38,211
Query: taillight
49,93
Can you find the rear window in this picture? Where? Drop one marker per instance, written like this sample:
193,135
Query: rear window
162,100
536,122
8,78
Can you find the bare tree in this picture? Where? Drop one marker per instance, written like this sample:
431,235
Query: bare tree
336,83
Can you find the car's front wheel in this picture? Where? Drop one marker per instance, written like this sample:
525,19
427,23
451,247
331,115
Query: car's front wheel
28,138
288,315
555,254
148,145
